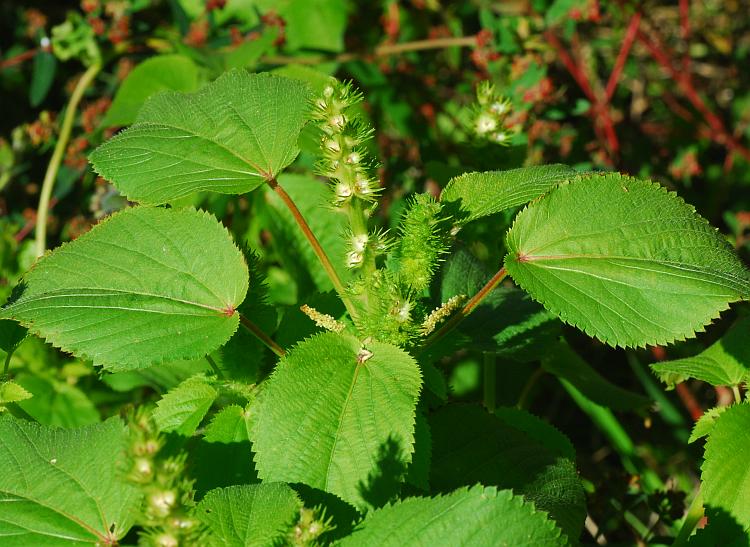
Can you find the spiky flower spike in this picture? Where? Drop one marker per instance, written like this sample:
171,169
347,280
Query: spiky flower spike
424,239
168,496
345,161
489,121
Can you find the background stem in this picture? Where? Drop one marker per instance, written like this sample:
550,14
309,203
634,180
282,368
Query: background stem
57,155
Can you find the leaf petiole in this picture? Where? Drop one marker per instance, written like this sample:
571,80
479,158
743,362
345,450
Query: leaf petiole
256,331
315,244
473,302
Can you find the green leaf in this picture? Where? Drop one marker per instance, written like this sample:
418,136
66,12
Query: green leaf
248,53
60,487
250,514
470,445
11,335
182,409
335,415
229,137
468,516
624,260
56,403
230,425
159,73
725,473
478,195
160,378
563,362
419,469
11,392
724,363
137,289
541,431
706,422
305,19
43,74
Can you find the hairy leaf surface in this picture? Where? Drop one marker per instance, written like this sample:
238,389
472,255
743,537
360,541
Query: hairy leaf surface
624,260
724,363
337,418
228,137
479,195
60,487
725,472
471,446
137,289
468,516
182,409
249,515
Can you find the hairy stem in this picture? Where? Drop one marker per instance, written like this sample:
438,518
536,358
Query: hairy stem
736,393
315,244
256,331
473,302
57,155
380,51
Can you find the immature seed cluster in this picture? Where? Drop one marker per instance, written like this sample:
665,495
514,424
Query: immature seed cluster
343,145
490,116
345,161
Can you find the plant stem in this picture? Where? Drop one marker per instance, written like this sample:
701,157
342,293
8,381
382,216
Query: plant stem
737,396
473,302
57,155
6,367
256,331
490,377
380,51
315,244
214,366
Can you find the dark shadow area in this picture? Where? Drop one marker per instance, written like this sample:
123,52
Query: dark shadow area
384,483
722,530
343,515
217,465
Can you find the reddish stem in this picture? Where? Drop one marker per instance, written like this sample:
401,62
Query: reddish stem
599,111
719,134
31,224
685,32
622,56
18,59
689,400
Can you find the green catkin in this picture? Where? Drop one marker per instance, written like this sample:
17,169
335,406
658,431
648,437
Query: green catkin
424,240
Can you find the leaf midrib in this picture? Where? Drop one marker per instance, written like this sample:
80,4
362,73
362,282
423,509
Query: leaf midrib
337,436
260,171
115,292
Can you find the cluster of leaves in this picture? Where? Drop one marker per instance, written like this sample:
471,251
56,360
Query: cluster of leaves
322,387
